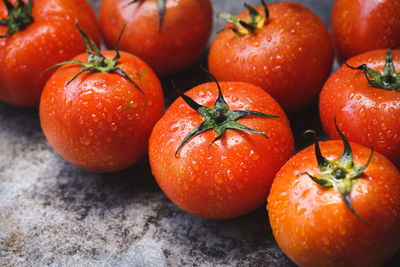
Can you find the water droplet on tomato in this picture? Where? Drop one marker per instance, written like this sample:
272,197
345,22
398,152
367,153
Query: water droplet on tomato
95,118
85,141
114,127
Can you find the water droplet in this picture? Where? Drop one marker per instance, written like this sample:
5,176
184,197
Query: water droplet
81,120
95,118
113,126
218,178
85,141
91,133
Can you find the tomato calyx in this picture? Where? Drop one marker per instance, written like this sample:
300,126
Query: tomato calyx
241,27
340,174
161,10
96,61
388,79
218,118
19,16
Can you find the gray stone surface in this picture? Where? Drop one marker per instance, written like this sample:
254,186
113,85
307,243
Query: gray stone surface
52,213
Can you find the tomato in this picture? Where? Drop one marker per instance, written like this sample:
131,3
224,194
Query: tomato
368,115
220,174
289,54
101,119
169,43
336,206
364,25
48,36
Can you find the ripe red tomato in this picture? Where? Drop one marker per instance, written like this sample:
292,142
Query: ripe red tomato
364,25
48,37
289,55
233,175
100,120
182,37
314,225
368,115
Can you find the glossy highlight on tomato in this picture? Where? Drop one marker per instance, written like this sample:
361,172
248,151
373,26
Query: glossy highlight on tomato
182,37
368,115
232,176
289,55
313,224
49,38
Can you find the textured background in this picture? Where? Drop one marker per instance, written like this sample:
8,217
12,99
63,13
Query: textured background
52,213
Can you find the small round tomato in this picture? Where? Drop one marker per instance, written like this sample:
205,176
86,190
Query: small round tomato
288,53
336,205
35,36
168,35
226,172
364,25
99,109
367,112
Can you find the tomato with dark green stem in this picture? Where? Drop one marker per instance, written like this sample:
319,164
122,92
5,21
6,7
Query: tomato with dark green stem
169,35
282,47
35,35
98,110
219,161
364,95
336,204
365,25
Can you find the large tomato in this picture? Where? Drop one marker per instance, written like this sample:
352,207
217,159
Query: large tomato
37,40
289,54
168,40
231,176
333,207
367,114
364,25
100,120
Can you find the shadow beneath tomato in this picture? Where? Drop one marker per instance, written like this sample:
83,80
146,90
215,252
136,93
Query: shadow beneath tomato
245,240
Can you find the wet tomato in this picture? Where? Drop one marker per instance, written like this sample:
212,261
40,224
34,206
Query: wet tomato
169,35
227,172
288,53
98,110
40,34
367,108
364,25
336,204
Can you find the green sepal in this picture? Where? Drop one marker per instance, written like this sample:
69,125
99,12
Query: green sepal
19,16
388,79
218,118
161,11
96,61
241,27
340,174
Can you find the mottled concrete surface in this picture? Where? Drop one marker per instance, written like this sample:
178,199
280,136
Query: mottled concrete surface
52,213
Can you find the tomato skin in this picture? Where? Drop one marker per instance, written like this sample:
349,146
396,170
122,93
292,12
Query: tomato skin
290,57
364,25
314,227
185,31
367,115
233,177
51,38
101,122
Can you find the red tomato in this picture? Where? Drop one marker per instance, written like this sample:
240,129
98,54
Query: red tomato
364,25
185,29
50,37
233,175
100,121
289,55
313,224
366,114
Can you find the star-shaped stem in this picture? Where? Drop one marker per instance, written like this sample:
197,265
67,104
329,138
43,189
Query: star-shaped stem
388,79
241,27
340,174
19,16
96,61
161,11
218,118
